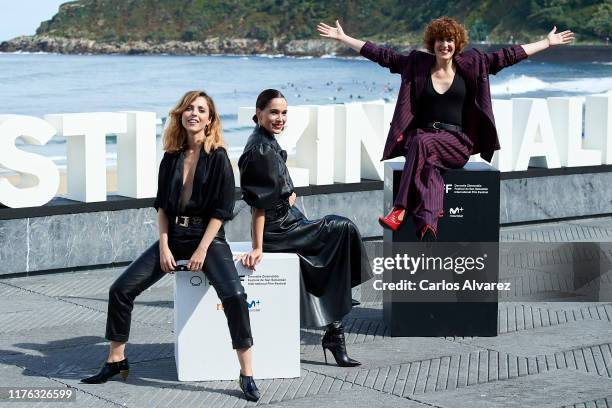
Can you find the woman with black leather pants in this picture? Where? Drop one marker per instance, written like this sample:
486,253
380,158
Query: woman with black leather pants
195,196
332,256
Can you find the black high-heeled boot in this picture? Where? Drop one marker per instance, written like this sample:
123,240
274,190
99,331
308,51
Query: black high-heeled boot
248,387
109,370
333,340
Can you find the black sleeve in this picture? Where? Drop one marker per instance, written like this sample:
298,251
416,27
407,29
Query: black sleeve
162,192
222,204
260,180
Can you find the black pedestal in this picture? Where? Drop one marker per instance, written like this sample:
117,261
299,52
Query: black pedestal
471,217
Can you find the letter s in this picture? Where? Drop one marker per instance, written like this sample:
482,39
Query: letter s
39,175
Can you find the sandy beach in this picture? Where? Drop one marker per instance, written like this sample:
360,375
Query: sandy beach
111,180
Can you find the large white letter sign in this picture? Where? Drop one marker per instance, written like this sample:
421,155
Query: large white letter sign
503,159
598,125
533,134
86,150
375,123
315,149
361,129
347,146
566,118
299,118
136,156
39,175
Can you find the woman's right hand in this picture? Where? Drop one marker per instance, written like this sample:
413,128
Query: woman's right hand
562,38
166,260
331,32
252,258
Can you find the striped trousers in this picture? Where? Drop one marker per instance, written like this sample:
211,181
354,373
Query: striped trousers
421,191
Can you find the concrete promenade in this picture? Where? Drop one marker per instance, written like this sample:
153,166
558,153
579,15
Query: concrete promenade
554,346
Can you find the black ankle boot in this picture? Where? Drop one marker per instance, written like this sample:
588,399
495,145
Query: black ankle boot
333,340
248,387
108,370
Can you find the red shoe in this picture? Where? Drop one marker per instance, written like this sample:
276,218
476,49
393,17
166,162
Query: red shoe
392,220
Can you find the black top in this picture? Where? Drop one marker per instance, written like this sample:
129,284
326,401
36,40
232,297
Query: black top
213,185
446,107
264,177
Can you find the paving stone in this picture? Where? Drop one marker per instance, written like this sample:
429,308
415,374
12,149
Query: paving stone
553,390
518,316
533,284
78,361
546,340
390,352
30,311
13,376
599,289
160,314
42,342
601,222
68,283
597,403
555,341
357,398
574,310
591,230
595,359
83,283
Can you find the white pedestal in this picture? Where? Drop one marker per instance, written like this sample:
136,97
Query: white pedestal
203,348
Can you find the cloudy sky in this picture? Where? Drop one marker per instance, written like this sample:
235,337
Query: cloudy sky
22,17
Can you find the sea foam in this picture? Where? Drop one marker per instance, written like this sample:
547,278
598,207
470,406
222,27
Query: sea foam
525,84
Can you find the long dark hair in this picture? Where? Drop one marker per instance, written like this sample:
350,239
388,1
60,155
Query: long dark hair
264,99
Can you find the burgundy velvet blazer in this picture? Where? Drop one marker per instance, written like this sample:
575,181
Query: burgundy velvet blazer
473,65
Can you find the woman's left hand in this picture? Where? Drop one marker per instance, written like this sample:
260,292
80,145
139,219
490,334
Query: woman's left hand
292,199
249,260
197,260
555,38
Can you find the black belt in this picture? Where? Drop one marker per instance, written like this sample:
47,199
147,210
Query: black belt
185,221
444,126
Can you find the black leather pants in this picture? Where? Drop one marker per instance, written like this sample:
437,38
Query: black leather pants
145,271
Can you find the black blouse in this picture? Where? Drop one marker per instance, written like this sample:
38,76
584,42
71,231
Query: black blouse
446,107
213,185
264,177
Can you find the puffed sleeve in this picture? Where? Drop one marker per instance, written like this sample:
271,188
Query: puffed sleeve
161,198
260,180
223,187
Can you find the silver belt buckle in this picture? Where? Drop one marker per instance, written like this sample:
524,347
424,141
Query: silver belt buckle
435,125
184,223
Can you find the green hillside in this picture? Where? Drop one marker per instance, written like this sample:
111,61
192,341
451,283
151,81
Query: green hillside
284,20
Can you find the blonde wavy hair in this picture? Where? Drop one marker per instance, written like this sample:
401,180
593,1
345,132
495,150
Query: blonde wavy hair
175,135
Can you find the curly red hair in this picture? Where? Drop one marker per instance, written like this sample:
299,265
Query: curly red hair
442,28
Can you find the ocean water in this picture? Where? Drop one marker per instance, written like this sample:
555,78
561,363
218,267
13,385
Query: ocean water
39,84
